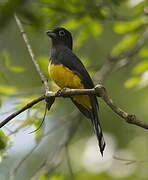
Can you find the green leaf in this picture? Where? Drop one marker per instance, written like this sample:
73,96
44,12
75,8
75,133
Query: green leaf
81,37
132,82
141,67
17,69
129,26
3,77
90,28
8,65
143,52
44,177
38,134
72,24
96,28
138,8
3,140
6,58
57,178
5,89
93,27
125,43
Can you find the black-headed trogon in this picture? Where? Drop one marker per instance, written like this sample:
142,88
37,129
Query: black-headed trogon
66,70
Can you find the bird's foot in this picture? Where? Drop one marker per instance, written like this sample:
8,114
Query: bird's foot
60,92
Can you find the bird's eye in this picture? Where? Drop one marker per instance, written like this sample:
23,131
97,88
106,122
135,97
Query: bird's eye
61,33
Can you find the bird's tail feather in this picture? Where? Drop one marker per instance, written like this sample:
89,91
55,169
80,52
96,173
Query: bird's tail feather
93,115
97,126
98,132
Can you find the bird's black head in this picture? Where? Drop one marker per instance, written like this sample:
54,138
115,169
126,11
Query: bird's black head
60,36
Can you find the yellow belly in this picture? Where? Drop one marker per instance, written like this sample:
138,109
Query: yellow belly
64,77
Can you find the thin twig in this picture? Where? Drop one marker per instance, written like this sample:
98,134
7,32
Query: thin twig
16,113
45,112
33,58
99,91
130,118
130,161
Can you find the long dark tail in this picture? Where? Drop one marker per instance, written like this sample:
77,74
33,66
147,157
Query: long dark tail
97,127
93,115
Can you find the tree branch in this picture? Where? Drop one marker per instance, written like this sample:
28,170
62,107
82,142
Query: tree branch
99,91
33,58
16,113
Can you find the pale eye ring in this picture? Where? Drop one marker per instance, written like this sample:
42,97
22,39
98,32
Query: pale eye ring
61,33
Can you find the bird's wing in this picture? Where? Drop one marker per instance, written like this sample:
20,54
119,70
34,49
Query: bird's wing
70,60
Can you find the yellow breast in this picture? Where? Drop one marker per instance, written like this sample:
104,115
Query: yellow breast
64,77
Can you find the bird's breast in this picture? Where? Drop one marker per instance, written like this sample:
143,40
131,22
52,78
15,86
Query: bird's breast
64,77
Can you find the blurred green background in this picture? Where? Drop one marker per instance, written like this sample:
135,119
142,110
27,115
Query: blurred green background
111,38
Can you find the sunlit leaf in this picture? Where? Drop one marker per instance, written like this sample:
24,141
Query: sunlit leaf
5,89
6,58
143,52
39,132
3,140
82,36
88,28
3,77
125,43
57,178
132,82
139,7
7,62
141,67
72,24
93,26
17,69
125,27
4,145
96,29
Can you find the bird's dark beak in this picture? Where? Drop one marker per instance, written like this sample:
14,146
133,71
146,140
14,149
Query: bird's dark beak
51,34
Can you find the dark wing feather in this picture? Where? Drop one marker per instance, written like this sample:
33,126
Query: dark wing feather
70,60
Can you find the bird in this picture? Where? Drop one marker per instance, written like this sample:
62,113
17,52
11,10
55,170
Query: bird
67,71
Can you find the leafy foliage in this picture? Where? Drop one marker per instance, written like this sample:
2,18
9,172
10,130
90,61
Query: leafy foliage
20,7
100,28
4,144
6,63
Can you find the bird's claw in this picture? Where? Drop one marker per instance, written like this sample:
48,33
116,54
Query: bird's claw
60,92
